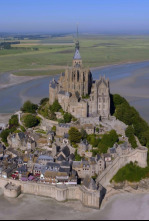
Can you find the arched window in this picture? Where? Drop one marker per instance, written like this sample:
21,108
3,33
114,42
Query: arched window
83,76
78,75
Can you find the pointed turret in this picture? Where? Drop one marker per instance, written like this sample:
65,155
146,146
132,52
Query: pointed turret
77,60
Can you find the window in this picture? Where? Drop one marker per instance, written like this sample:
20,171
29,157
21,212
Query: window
78,75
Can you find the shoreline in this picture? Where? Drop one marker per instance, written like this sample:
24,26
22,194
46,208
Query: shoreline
117,64
15,80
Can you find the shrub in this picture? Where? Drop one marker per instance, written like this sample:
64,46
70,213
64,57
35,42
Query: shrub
4,134
132,173
130,134
67,118
31,121
44,101
22,128
127,114
54,129
77,156
74,135
14,122
55,107
29,107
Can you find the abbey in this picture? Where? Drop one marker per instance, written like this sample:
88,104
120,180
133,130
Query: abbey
78,93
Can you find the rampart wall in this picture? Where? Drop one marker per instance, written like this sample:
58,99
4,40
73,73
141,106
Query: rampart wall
60,193
138,155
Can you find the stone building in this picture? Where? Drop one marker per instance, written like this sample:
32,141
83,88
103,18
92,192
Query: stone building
78,94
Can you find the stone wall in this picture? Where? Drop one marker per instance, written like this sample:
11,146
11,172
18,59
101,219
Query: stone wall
88,198
139,155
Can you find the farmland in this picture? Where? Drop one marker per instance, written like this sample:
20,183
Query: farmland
51,54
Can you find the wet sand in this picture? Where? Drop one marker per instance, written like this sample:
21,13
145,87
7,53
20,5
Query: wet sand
8,79
121,207
4,118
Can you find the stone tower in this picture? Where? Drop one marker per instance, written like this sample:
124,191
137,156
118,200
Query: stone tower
77,78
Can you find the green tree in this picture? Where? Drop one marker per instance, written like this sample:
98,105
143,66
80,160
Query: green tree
97,130
4,134
130,134
31,121
74,135
77,156
54,129
55,107
44,101
67,118
127,114
83,133
29,107
14,122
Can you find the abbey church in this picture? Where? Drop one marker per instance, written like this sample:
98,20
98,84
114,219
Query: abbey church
78,93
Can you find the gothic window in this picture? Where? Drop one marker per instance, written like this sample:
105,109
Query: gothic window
93,98
99,106
83,76
77,75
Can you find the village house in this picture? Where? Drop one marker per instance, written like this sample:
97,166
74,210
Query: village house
93,167
62,129
21,141
123,149
43,159
63,155
50,137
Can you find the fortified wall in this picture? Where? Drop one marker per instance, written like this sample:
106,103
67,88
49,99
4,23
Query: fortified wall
87,197
138,155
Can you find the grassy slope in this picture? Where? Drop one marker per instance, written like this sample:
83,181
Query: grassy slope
95,51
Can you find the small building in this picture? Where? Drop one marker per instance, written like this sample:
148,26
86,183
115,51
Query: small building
112,151
123,149
62,129
50,137
89,128
44,159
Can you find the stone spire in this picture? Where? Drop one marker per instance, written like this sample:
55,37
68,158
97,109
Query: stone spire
77,60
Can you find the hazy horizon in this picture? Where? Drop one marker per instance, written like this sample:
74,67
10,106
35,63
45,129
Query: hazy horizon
61,16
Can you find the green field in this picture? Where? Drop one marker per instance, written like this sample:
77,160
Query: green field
35,57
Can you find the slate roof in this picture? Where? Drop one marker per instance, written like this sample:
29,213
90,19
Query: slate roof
53,84
44,157
64,125
65,170
21,135
72,157
52,165
65,93
89,183
22,169
112,150
77,55
61,158
66,151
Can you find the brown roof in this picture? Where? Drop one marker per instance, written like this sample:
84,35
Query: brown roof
49,174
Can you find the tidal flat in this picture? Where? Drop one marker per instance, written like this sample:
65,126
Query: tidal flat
129,80
124,206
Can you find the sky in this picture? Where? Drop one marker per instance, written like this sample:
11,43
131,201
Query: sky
60,16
